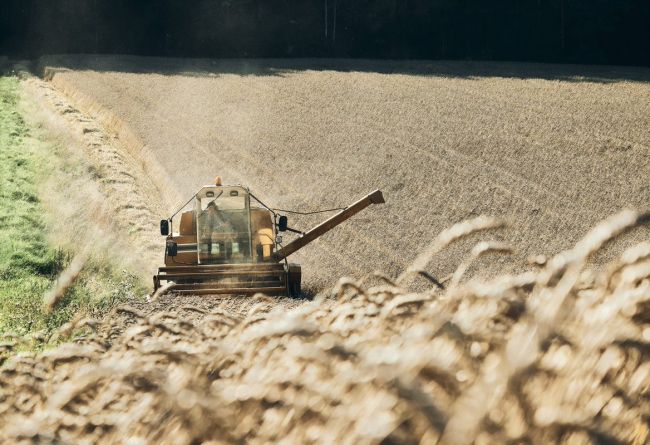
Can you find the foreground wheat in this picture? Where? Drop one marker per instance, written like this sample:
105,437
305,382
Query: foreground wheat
559,354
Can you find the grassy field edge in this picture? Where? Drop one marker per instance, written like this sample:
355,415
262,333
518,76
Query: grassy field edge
29,261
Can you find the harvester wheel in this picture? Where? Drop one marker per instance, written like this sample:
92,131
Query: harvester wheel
294,278
294,289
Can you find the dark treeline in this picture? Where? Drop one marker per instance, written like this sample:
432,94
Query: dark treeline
580,31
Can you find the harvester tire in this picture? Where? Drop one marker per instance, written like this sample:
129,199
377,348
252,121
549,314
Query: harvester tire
294,289
294,278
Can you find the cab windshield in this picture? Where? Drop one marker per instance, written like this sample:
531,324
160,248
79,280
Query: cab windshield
223,225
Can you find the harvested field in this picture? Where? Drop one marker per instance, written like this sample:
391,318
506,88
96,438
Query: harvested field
553,149
554,356
504,352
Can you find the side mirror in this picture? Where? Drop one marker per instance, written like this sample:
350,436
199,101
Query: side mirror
282,223
164,227
172,248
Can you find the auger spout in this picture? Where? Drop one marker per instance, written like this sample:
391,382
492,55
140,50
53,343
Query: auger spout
375,197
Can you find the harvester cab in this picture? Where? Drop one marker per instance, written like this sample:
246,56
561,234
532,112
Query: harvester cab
229,242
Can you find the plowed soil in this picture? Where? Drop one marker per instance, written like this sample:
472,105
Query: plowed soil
553,149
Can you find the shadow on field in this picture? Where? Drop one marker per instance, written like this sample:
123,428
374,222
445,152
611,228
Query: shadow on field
282,67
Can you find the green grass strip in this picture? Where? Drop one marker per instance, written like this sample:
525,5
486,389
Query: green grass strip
28,265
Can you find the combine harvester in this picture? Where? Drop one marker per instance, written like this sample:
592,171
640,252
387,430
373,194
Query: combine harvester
230,243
